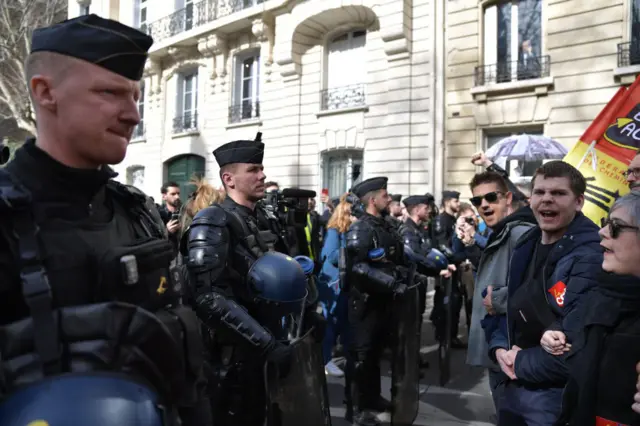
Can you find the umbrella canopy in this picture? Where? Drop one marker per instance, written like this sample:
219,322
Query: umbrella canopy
527,148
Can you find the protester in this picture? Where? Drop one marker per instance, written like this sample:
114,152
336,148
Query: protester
604,352
334,303
493,200
548,261
633,173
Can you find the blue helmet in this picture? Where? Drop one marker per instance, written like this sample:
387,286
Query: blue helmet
306,264
437,259
278,280
96,400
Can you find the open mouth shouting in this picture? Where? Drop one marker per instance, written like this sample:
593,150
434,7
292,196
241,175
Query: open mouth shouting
547,215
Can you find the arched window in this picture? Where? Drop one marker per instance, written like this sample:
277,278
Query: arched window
346,71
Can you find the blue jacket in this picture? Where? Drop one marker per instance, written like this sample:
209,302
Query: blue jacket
574,263
328,278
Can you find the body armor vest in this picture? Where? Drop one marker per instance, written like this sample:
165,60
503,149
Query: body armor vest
107,279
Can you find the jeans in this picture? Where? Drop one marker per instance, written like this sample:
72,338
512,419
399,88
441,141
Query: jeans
336,326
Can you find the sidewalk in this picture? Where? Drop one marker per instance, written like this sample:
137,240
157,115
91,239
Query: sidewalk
465,400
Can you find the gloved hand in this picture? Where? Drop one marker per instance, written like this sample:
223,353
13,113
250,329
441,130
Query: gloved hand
318,322
280,355
400,289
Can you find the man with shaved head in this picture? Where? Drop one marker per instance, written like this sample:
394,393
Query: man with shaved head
85,264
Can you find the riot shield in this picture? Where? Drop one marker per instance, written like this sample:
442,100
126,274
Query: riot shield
405,379
444,349
300,398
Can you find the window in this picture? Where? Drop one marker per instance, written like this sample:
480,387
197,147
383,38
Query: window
246,95
141,15
634,45
138,132
187,109
346,71
513,41
516,169
341,170
135,177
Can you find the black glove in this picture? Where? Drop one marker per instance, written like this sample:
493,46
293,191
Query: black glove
318,322
280,356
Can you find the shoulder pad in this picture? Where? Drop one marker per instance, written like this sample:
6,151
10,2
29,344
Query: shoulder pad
12,194
359,231
127,190
211,216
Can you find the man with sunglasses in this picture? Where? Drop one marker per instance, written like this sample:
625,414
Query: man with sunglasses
493,200
551,268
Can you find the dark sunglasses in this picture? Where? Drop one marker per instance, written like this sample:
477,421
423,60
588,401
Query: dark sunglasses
615,227
491,197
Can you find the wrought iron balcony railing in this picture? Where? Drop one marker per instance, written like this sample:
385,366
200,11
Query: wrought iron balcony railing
244,111
502,72
194,15
185,123
138,131
628,54
343,97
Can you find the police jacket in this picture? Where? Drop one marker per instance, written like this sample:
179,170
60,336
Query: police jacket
373,273
604,353
413,238
64,240
568,273
442,232
223,242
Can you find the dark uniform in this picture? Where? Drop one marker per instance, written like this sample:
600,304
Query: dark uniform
442,232
223,243
85,279
413,237
373,279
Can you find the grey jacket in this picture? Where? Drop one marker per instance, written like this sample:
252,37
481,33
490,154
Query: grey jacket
493,270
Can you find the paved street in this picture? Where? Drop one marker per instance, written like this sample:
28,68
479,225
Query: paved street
464,401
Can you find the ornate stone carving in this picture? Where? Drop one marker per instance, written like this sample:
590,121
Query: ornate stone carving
216,48
153,70
264,30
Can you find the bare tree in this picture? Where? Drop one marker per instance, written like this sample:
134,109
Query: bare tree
18,19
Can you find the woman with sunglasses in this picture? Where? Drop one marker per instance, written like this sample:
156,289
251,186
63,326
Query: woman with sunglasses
603,356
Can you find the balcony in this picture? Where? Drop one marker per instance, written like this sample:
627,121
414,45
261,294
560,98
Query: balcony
244,111
195,15
628,54
186,123
346,97
504,72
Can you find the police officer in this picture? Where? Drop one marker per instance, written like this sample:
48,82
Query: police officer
223,244
85,279
442,231
374,251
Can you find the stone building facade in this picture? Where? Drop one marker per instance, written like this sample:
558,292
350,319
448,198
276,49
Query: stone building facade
535,66
341,90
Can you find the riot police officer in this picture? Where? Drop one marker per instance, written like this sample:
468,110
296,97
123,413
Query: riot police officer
86,285
224,242
442,231
374,251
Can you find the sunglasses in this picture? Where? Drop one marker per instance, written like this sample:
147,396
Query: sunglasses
491,198
615,227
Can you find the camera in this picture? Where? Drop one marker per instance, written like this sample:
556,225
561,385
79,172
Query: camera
357,208
290,206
